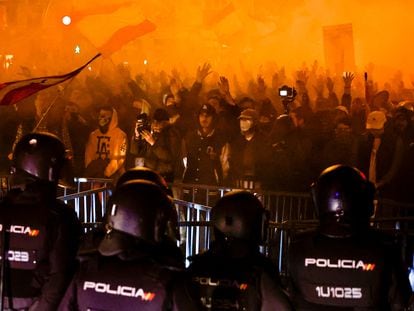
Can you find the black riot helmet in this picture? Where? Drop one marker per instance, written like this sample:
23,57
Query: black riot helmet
42,156
343,198
139,210
240,216
144,173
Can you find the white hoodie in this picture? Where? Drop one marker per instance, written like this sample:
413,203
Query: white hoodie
112,145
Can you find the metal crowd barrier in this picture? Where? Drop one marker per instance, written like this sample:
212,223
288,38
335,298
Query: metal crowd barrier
290,213
90,205
194,225
285,210
200,194
281,205
279,237
89,198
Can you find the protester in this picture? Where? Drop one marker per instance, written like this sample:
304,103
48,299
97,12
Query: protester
379,153
105,150
248,153
161,149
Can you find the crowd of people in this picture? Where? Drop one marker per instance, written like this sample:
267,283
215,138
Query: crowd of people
203,133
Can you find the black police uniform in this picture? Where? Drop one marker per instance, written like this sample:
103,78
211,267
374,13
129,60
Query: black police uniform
168,246
232,274
133,268
41,236
345,264
355,273
138,281
247,283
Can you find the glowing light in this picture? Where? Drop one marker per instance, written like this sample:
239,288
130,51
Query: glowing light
77,49
89,68
8,60
145,62
66,20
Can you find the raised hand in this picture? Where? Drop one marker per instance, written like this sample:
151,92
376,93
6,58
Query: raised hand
303,76
202,72
301,80
315,67
175,86
278,78
330,84
224,89
261,87
224,86
261,84
319,87
348,77
175,74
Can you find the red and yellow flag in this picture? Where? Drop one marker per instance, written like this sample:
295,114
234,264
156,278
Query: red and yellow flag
124,35
13,92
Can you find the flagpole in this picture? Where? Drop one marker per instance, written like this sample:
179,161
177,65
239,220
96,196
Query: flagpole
50,107
56,97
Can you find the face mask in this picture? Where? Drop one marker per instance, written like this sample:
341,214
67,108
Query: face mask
104,120
245,125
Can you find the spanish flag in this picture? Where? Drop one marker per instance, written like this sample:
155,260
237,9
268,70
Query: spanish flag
13,92
125,35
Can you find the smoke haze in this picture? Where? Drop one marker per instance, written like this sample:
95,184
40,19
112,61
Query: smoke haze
236,36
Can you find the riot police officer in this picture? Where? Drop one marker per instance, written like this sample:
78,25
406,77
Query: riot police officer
130,271
232,274
345,264
92,239
40,235
173,234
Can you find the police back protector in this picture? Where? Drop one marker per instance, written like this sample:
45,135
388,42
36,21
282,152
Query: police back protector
109,283
29,230
348,272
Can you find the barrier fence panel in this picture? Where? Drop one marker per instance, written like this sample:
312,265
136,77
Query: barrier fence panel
278,241
284,209
290,213
293,213
201,194
89,198
281,205
194,224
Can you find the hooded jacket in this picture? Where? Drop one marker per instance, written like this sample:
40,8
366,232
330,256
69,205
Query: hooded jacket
110,146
